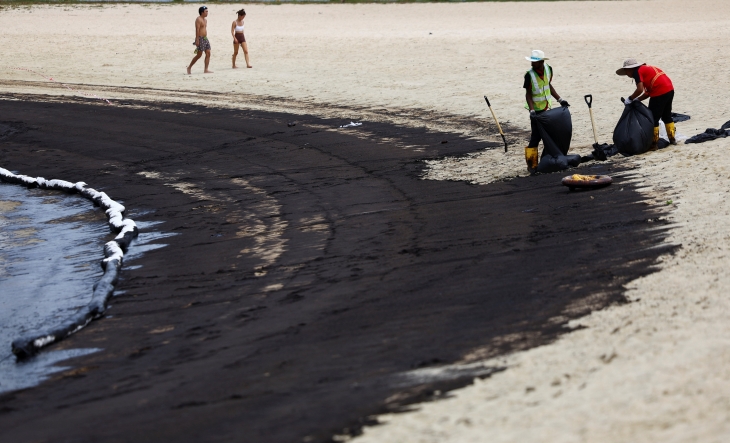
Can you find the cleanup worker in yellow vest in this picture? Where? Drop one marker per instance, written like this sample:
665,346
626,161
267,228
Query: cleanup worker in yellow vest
538,89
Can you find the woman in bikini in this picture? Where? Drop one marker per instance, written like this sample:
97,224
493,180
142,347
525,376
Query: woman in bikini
239,39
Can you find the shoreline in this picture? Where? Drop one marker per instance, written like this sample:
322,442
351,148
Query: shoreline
39,282
126,230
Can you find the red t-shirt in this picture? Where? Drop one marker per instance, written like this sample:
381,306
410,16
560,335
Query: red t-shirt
654,79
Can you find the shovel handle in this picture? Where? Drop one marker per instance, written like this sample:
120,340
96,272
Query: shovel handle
497,122
589,100
593,125
494,116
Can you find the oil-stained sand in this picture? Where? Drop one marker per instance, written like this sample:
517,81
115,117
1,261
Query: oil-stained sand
314,269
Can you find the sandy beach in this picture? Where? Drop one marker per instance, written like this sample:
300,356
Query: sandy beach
653,369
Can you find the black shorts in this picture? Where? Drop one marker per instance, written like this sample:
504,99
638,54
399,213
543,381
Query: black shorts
661,108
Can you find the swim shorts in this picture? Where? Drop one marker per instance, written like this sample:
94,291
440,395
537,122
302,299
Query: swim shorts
203,44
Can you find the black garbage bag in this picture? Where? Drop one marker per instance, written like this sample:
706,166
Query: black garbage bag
549,164
677,118
556,129
711,134
601,151
634,131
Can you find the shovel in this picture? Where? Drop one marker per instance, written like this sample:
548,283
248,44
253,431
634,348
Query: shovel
497,121
589,101
598,154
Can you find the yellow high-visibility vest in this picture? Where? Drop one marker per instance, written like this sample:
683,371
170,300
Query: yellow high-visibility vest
541,89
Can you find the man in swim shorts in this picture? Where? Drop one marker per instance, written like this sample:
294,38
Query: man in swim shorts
201,42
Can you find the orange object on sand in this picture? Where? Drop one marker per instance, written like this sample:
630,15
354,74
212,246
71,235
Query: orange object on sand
586,181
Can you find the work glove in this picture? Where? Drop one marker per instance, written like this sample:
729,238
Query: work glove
627,101
564,103
533,114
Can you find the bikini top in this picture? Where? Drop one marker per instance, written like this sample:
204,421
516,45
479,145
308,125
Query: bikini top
239,28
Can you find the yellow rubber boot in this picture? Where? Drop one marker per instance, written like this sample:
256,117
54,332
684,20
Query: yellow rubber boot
672,133
531,159
655,142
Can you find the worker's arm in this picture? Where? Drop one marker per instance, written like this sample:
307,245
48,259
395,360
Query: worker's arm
528,97
554,93
557,97
640,93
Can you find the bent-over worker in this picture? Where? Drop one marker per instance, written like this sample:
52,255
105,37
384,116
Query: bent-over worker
652,82
538,89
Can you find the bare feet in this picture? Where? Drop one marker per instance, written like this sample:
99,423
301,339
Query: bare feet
235,67
249,66
188,70
207,72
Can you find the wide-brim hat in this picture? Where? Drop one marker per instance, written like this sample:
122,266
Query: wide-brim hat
537,55
629,63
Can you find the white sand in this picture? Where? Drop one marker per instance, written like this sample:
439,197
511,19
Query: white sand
654,370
